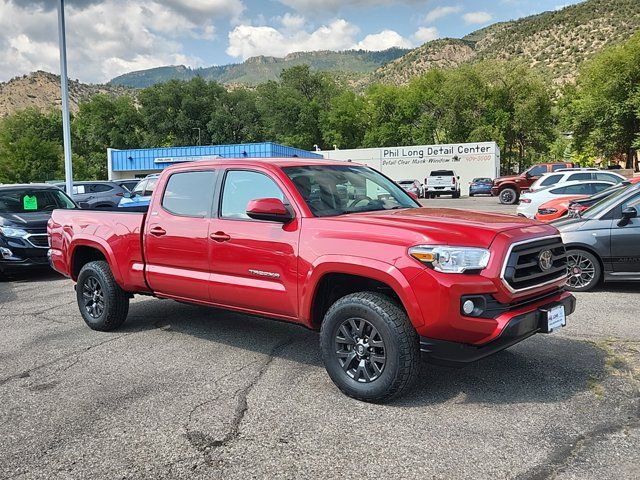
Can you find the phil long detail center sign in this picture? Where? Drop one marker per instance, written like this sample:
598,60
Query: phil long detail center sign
467,160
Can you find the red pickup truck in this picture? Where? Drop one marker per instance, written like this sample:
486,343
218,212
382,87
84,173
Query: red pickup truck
333,246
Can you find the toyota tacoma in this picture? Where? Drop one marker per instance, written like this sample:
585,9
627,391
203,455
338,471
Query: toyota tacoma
381,278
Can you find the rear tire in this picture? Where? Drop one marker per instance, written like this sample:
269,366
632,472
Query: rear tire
369,347
585,271
508,196
104,306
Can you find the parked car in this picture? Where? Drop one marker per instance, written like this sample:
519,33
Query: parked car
128,184
573,175
140,196
508,189
603,243
480,186
579,205
24,213
442,182
381,278
530,201
413,186
96,194
556,208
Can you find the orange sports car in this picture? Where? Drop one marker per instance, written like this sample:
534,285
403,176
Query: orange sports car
556,208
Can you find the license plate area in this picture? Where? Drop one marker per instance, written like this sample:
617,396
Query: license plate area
553,319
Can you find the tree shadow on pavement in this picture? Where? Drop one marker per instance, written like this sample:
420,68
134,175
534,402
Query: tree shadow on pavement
541,369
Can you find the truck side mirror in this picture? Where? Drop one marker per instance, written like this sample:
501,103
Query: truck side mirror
627,214
269,209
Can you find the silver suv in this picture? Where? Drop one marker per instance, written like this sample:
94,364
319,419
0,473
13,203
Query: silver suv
96,194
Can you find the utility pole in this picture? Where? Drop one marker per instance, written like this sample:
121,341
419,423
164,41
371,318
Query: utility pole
64,86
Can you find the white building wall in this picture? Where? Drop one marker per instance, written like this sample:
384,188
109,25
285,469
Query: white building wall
467,160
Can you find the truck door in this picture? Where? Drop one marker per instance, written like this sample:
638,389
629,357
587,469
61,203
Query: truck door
253,262
176,237
625,241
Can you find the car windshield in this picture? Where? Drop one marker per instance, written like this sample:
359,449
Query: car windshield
441,173
406,182
606,203
482,180
25,200
331,190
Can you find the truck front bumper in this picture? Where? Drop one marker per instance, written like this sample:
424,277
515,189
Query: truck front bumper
518,328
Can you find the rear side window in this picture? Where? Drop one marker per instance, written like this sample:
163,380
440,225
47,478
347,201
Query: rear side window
581,189
579,176
100,188
550,180
599,187
607,177
189,193
242,186
558,166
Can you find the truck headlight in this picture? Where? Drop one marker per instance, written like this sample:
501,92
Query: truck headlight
448,259
13,232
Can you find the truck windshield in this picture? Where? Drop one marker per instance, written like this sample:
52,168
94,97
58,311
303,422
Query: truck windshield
25,200
331,190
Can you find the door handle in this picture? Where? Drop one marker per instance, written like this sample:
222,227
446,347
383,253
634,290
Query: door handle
220,237
158,231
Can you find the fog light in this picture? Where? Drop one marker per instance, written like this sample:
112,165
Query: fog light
468,307
5,253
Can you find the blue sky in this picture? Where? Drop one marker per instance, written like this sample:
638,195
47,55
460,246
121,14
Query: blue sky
110,37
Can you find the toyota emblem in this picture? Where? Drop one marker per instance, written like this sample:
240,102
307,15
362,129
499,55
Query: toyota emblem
545,260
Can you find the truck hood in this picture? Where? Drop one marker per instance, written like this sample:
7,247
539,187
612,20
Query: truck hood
28,221
446,226
506,178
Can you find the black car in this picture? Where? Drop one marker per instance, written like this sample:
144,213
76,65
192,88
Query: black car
24,213
603,242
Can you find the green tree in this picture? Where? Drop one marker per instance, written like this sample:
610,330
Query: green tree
174,111
603,110
30,147
344,123
236,119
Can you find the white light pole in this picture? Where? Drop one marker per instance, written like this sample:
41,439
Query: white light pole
64,85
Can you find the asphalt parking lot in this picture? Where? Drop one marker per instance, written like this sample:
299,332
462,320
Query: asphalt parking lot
188,392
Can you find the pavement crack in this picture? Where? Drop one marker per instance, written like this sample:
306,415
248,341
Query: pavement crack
205,443
27,373
561,459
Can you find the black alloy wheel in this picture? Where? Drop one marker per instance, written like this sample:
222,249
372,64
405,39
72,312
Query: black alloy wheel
360,350
93,297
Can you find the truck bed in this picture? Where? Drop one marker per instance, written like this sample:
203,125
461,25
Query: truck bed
116,234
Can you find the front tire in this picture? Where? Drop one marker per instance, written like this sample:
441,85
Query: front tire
508,196
585,271
369,347
104,306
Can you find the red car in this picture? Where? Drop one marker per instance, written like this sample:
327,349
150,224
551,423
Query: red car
333,246
556,208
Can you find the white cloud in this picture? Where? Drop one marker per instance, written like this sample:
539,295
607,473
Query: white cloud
248,41
476,18
426,34
441,12
105,38
383,40
293,22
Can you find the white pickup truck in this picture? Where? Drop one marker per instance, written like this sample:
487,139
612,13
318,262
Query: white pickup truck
442,182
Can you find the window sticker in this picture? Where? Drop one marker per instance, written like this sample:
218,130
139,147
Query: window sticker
30,202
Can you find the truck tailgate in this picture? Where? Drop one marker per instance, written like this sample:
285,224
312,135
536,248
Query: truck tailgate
116,235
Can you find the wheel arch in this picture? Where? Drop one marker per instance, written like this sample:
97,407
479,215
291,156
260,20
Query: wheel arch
83,252
329,280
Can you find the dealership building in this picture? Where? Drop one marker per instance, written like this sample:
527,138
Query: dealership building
139,163
467,160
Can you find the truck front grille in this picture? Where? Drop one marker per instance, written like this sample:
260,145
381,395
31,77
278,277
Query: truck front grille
535,263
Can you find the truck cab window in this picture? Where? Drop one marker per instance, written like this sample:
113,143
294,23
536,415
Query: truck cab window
189,193
242,186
